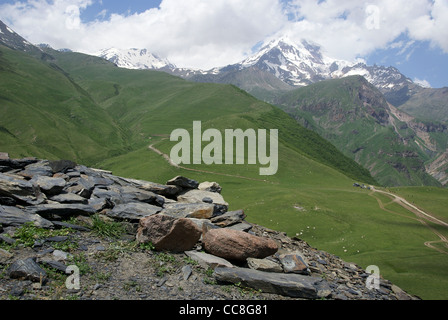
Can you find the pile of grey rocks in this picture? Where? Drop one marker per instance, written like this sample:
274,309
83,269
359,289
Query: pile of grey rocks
181,216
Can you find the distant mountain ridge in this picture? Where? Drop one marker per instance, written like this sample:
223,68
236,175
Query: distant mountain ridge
134,59
296,64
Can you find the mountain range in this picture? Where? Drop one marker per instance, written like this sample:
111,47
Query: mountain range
416,117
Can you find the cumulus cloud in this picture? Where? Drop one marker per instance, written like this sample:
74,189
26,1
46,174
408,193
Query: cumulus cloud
204,33
193,33
350,29
423,83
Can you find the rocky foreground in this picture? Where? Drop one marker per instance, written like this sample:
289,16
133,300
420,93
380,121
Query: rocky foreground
72,232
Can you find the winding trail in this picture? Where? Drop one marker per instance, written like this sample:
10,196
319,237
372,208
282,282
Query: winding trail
173,164
421,216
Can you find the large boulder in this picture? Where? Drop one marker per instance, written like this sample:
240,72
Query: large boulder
168,233
236,245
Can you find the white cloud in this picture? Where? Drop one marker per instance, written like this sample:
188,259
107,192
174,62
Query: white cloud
423,83
352,28
205,33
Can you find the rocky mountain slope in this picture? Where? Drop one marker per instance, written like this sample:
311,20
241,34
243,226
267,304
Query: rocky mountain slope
132,239
397,148
11,39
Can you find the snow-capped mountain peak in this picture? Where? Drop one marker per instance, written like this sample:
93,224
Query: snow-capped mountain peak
134,58
302,63
296,63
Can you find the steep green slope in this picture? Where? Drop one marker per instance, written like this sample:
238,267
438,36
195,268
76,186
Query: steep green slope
428,104
45,114
356,118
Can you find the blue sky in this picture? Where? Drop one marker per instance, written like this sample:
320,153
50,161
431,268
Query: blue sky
411,35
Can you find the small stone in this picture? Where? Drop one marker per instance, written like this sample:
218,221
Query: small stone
5,256
265,265
210,186
229,218
186,272
294,263
197,196
27,269
60,255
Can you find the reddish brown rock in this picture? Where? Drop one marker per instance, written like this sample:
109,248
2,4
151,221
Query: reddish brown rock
168,233
237,245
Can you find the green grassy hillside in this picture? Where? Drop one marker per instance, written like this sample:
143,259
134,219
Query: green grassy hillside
45,114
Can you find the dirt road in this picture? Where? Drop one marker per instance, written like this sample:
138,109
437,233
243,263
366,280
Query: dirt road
422,216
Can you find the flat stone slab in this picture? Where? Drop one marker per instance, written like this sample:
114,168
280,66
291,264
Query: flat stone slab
62,210
12,216
69,198
189,210
291,285
206,260
17,188
133,211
